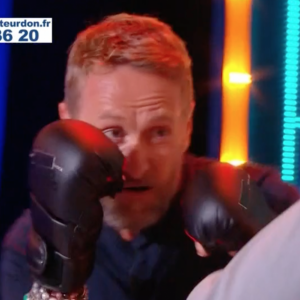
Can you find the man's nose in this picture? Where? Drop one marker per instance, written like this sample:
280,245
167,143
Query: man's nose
136,159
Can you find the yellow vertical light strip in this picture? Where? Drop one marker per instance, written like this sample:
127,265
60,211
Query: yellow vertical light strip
236,81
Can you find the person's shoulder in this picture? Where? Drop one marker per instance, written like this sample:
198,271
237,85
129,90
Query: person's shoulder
194,163
15,279
16,237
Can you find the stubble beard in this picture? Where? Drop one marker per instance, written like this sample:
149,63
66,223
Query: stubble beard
138,214
124,215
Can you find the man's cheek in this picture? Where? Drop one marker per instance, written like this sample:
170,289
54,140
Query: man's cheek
166,150
166,170
162,158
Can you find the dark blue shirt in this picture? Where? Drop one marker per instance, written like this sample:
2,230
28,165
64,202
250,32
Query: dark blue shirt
159,264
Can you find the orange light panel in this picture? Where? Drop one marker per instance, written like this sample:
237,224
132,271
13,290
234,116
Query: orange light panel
239,78
236,81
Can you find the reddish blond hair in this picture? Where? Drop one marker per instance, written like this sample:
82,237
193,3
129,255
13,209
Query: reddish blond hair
141,41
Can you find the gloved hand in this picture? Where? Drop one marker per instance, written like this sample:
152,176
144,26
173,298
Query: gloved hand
72,165
279,195
223,208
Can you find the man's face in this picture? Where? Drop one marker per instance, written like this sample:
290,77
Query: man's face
142,114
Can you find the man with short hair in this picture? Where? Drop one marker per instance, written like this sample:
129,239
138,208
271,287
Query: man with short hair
130,76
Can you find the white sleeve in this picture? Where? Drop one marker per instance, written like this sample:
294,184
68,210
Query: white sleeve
204,288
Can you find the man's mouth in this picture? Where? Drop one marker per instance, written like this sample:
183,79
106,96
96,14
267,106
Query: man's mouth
137,188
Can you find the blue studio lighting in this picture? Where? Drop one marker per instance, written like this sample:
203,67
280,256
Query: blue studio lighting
5,11
291,121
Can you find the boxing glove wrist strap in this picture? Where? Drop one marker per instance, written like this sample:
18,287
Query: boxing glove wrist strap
37,292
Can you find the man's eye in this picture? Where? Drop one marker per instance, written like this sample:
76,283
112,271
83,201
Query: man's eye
114,134
160,133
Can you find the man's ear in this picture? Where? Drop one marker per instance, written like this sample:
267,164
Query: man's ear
63,111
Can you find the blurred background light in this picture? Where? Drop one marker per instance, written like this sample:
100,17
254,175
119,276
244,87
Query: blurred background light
290,140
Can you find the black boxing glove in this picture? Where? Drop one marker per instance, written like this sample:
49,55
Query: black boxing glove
279,195
72,165
223,208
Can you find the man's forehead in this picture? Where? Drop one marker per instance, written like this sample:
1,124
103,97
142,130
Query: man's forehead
127,82
116,96
150,116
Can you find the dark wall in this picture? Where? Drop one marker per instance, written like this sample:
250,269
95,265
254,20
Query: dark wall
37,72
